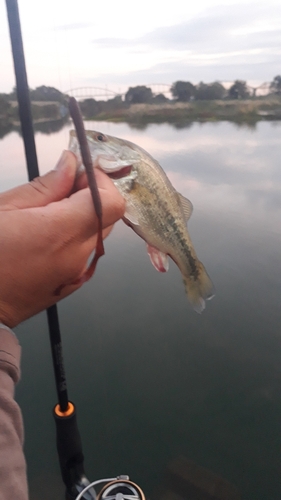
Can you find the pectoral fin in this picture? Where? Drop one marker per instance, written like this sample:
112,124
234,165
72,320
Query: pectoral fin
159,259
131,214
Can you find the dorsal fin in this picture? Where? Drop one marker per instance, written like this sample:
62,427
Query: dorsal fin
187,206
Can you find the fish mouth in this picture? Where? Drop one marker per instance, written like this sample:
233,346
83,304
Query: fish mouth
122,172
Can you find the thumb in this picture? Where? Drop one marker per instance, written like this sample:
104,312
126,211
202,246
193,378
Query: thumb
54,186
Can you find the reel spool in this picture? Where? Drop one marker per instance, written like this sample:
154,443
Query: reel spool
116,488
121,489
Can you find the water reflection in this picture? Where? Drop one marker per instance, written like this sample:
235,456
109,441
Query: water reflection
186,480
48,127
153,380
5,128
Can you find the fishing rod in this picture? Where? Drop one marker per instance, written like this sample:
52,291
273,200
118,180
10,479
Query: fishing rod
69,445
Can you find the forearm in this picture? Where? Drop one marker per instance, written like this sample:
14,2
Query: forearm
13,482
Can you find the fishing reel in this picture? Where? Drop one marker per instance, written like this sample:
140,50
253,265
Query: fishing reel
116,488
71,459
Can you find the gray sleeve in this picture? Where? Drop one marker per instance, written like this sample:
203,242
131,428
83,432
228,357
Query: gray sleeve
13,481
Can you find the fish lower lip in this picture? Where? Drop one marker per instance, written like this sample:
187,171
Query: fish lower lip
123,172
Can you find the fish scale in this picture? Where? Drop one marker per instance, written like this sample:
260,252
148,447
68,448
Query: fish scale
154,209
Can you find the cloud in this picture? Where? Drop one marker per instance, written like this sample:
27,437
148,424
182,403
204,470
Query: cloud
222,43
206,31
217,29
254,67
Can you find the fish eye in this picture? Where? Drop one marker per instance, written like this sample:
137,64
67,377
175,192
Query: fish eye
100,137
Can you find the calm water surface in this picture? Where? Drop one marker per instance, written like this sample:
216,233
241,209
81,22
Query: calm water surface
152,379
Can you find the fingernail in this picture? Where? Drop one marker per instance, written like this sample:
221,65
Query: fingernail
62,161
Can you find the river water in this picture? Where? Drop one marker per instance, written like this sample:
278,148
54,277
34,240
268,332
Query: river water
152,379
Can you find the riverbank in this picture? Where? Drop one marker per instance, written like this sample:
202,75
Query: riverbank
41,111
51,116
251,110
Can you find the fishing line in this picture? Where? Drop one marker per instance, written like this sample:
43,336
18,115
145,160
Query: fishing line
56,46
93,484
57,57
63,59
69,66
66,44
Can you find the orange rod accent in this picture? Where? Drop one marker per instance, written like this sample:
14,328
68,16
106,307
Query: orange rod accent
67,413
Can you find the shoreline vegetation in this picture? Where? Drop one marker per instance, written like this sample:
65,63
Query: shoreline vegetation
140,107
247,111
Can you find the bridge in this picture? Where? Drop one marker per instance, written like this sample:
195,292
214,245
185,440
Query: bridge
91,93
260,90
105,93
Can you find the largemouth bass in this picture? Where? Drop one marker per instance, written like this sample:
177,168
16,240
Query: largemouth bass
154,209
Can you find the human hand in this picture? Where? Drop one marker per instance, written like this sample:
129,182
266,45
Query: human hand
48,231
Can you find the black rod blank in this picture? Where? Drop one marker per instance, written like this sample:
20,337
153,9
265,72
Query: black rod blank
33,171
56,348
22,89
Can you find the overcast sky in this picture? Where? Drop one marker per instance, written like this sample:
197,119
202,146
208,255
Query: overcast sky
122,43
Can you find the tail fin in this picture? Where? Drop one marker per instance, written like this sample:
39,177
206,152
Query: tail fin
199,289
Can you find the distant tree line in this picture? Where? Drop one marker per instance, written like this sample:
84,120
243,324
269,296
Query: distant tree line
5,106
42,93
181,91
186,91
39,94
275,85
90,107
46,103
141,94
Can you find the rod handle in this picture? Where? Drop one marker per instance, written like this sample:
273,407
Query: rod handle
69,445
